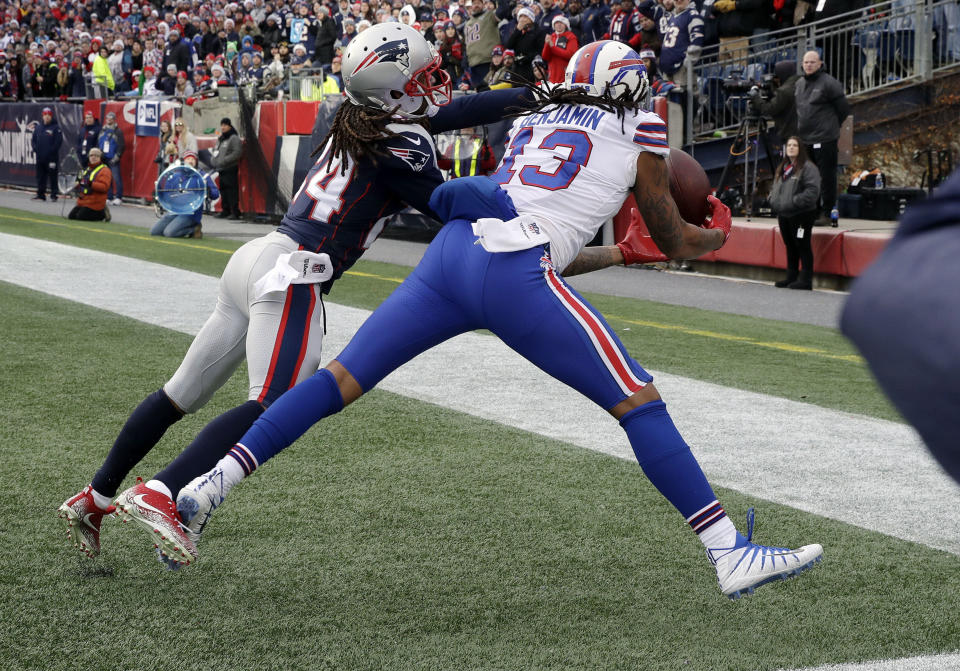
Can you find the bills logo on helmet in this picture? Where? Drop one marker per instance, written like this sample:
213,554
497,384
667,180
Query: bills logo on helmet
415,159
626,65
397,51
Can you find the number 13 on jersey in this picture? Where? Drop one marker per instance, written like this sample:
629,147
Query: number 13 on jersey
571,150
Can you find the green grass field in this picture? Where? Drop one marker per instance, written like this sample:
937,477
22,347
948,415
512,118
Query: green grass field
402,535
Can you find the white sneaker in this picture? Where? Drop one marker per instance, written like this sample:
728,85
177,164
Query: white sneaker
746,565
117,201
197,501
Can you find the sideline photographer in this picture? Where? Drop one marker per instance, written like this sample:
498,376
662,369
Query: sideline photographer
92,187
777,100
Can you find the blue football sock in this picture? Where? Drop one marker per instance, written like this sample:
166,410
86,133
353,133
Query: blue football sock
670,465
209,446
288,418
142,430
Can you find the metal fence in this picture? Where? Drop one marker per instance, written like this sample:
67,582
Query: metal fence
889,44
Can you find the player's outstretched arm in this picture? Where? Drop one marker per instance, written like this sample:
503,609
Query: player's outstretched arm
675,237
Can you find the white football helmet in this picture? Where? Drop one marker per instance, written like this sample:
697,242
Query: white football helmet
605,66
391,65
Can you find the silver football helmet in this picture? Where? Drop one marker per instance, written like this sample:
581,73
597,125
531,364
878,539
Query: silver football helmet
391,65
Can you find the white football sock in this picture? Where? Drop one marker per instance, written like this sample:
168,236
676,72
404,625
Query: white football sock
721,535
102,502
158,486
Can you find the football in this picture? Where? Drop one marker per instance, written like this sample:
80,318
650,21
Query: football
689,187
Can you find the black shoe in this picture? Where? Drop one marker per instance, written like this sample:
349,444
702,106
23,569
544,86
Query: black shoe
823,220
785,282
800,284
39,198
53,199
222,215
234,217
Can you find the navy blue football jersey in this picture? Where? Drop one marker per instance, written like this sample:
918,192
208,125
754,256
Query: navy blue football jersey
683,31
340,210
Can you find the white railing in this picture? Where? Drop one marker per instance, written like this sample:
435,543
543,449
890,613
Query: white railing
889,44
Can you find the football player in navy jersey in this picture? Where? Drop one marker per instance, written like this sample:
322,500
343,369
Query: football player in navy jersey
573,160
378,158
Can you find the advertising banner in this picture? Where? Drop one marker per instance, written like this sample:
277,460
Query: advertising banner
18,165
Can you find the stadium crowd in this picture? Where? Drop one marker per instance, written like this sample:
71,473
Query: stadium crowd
188,48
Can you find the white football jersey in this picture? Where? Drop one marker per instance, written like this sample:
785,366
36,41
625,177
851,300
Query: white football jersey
573,166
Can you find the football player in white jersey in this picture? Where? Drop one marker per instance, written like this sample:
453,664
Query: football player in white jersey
570,164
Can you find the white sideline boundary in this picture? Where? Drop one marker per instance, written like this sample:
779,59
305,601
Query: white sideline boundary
868,472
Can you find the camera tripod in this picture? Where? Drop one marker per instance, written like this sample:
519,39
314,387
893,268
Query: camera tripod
751,124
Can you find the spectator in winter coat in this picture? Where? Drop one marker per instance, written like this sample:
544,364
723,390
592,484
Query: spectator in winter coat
625,25
176,54
526,43
326,36
225,159
796,188
46,141
115,60
481,34
505,76
92,187
76,83
451,51
493,74
101,71
595,21
89,133
649,35
183,139
111,144
558,48
551,10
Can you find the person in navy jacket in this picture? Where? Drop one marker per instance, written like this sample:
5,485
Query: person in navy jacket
46,142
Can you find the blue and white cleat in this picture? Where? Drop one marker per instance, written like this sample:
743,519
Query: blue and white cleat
197,501
746,566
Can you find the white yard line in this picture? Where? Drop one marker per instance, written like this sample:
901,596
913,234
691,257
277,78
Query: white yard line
868,472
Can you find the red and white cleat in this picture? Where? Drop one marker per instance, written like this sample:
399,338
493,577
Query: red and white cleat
83,519
157,513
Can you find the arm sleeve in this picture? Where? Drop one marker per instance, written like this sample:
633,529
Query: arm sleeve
57,141
840,104
101,184
806,197
477,110
571,49
121,143
650,134
410,169
212,191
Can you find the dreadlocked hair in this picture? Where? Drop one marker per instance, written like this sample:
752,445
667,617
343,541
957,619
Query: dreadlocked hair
357,130
549,100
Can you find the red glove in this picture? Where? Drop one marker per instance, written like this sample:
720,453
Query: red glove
638,247
720,217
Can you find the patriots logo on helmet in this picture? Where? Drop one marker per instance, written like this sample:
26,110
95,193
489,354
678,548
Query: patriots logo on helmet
397,51
415,159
